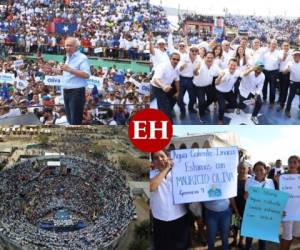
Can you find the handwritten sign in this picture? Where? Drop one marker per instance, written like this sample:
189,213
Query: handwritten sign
144,88
94,80
290,183
53,80
7,78
263,214
204,174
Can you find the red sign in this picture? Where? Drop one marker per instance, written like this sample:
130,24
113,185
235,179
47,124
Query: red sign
150,130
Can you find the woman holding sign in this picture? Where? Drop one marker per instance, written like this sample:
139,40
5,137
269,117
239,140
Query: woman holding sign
259,180
290,229
170,221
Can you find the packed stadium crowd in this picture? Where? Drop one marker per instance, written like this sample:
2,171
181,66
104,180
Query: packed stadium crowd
31,189
239,73
112,100
181,225
263,28
115,29
160,22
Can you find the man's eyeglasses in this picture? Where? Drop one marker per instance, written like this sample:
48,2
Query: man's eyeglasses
194,50
176,59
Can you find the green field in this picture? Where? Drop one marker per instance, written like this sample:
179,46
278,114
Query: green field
133,66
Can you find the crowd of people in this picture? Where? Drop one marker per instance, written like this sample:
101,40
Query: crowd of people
160,22
263,28
115,29
240,74
95,191
112,102
173,223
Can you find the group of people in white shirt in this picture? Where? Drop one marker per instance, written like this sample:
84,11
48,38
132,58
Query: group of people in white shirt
172,222
228,74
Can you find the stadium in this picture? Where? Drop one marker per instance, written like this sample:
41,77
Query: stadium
59,202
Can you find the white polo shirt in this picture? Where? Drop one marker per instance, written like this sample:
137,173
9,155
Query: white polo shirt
161,200
294,69
251,182
183,55
166,73
252,84
205,75
227,82
271,60
255,55
283,64
227,56
220,62
188,70
159,57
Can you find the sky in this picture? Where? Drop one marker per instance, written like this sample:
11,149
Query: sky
267,143
257,7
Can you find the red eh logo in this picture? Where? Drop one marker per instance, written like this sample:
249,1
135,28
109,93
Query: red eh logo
150,130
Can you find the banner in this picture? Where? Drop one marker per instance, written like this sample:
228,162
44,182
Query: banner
144,89
204,174
53,80
94,80
263,214
97,50
7,78
290,183
18,63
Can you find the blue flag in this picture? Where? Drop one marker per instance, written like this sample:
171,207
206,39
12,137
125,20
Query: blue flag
119,78
65,28
95,91
4,92
4,27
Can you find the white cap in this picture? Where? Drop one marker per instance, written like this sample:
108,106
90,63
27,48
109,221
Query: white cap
195,46
296,52
203,45
161,40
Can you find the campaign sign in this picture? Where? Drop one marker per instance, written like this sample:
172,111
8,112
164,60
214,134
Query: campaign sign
53,80
204,174
290,183
21,84
94,80
7,78
263,214
97,50
18,63
144,88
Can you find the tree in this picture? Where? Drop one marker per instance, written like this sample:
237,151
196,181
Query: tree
133,165
2,165
143,229
98,150
43,139
141,236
